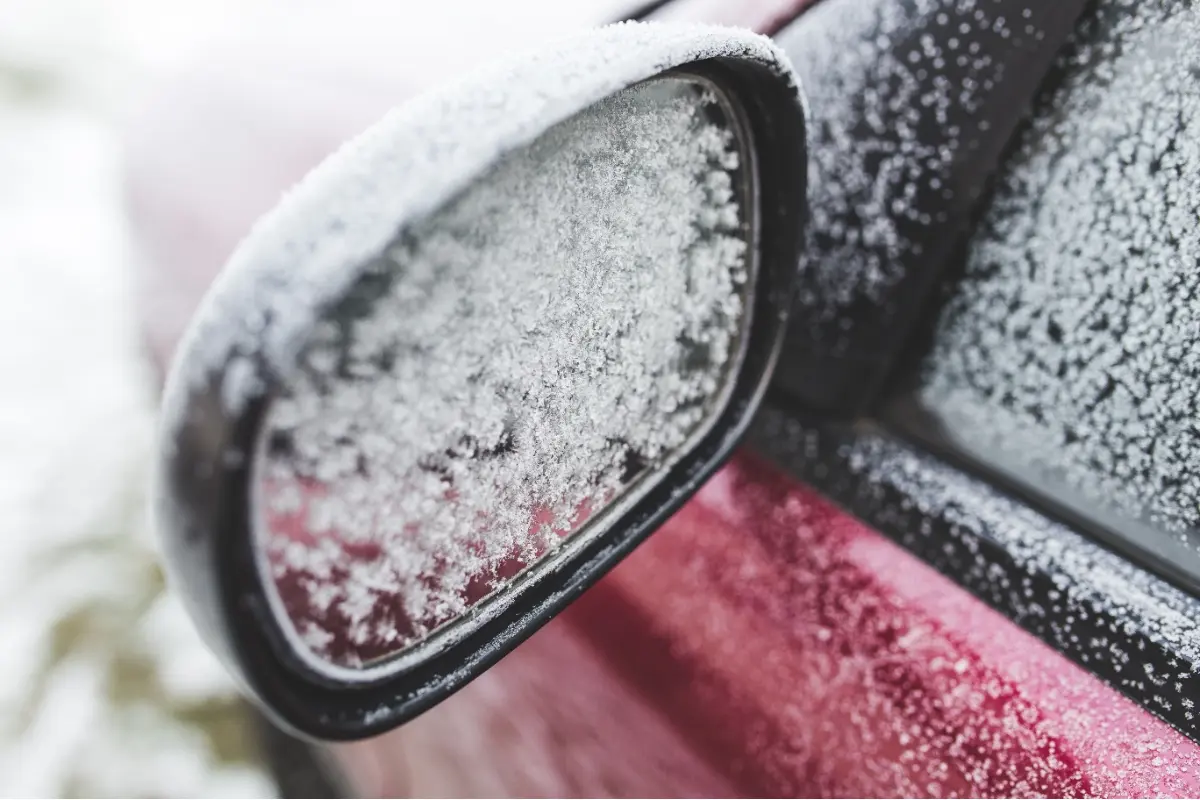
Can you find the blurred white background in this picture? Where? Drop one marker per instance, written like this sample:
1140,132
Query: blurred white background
104,686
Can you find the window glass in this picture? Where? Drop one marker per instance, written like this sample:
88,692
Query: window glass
1069,353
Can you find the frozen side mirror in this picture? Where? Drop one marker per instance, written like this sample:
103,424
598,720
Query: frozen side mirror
473,359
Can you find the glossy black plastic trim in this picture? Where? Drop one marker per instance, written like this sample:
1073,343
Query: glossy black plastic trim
206,508
1131,538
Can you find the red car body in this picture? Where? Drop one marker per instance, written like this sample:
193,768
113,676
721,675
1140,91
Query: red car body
764,642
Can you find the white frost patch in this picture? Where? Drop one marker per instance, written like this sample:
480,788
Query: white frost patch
507,367
77,564
1073,343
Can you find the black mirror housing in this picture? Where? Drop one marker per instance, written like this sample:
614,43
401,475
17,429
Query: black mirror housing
309,253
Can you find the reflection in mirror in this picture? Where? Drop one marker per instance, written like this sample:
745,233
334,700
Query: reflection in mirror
515,370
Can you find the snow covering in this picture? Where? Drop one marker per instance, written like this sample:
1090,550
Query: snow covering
525,356
366,206
1071,345
346,211
105,689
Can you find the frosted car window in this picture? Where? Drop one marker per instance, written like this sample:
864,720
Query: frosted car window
450,428
1070,351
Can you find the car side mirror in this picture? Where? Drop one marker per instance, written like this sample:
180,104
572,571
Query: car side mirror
473,359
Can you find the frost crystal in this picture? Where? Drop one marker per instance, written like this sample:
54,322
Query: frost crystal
506,369
1073,344
872,163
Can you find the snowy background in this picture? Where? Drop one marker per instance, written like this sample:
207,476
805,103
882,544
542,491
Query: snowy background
104,687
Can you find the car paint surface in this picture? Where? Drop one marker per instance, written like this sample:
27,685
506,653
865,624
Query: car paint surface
763,642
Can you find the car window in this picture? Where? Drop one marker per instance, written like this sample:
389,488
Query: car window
1068,354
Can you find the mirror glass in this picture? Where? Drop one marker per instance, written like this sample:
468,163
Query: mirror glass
512,373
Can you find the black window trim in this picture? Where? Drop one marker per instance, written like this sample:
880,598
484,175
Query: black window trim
1052,597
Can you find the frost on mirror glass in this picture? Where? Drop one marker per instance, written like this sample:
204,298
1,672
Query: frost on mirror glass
1072,347
528,358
